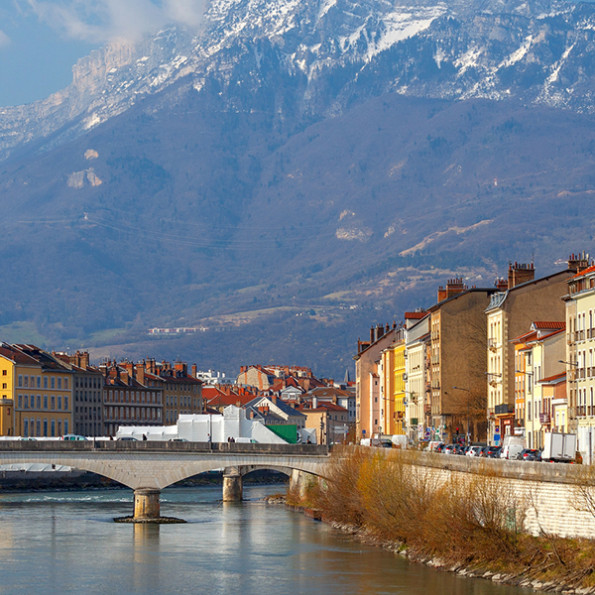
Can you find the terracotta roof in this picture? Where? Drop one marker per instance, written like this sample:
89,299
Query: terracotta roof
17,356
555,379
546,324
586,271
415,315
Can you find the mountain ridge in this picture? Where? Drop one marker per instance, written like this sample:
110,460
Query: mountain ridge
283,208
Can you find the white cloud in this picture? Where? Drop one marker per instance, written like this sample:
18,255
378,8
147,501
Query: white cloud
105,20
4,39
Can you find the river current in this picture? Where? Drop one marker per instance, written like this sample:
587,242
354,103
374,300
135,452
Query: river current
67,542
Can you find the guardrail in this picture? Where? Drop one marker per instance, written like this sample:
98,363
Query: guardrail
159,446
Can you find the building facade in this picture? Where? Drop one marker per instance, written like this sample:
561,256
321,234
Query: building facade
580,359
509,314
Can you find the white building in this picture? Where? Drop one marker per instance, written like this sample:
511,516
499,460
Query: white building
207,427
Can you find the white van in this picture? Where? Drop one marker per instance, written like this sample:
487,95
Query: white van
512,448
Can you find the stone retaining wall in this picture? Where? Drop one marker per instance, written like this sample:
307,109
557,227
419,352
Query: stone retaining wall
546,492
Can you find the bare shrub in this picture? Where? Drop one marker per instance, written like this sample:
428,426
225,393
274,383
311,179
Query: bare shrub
339,498
584,490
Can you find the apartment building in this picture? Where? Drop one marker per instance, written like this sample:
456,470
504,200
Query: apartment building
458,361
367,381
392,386
40,388
518,302
580,359
417,387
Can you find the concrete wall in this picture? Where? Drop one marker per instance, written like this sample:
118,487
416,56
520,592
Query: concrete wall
547,492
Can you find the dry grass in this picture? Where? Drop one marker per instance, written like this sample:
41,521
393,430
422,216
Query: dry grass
471,520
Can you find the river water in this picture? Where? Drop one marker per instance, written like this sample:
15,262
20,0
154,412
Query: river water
66,542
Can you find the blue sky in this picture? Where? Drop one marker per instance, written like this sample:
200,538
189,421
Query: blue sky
40,40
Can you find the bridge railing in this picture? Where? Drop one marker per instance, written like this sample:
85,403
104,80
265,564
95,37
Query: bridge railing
159,446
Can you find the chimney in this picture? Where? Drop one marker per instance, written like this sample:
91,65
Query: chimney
520,273
194,371
579,262
124,375
372,335
379,331
501,284
181,368
139,373
453,287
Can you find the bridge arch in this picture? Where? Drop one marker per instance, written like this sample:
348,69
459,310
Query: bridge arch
149,468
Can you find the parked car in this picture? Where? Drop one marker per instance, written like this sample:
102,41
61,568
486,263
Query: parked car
492,452
530,454
126,439
449,449
474,451
72,437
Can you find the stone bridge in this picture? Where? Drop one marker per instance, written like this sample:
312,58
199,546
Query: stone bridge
148,467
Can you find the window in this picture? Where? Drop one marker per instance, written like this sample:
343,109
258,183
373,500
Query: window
59,382
45,403
66,405
45,383
39,382
65,383
53,406
53,427
59,402
3,372
45,427
53,384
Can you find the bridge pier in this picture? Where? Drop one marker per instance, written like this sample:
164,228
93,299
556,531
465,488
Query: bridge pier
147,507
300,482
232,485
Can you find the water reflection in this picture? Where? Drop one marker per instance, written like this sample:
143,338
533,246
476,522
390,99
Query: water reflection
250,548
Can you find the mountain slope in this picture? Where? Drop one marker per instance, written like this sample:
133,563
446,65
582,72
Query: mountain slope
280,180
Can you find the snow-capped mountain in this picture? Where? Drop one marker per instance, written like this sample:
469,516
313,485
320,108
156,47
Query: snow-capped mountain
334,52
292,171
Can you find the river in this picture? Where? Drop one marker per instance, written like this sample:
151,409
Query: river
66,542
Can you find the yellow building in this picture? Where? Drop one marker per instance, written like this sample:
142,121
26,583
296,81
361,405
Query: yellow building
6,396
392,386
41,389
368,408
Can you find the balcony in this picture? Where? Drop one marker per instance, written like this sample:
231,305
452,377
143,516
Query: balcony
544,419
503,409
492,344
